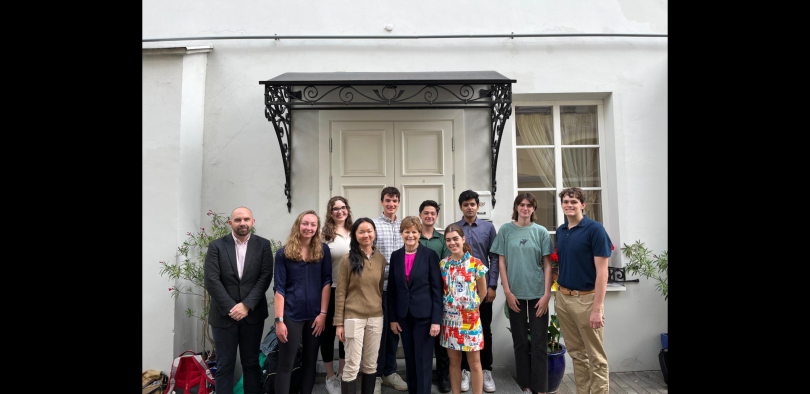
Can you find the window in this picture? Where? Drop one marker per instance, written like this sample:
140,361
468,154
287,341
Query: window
560,145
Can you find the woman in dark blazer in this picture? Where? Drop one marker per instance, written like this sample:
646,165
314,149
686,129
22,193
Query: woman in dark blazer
415,303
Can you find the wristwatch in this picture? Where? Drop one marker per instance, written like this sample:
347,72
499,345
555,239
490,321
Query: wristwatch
279,319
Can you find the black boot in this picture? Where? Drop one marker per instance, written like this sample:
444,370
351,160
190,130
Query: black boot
368,383
348,387
444,384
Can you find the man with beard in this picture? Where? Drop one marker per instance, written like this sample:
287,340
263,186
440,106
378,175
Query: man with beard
238,272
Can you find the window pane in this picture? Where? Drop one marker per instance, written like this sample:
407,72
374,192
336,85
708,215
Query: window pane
554,240
593,208
535,167
579,125
546,212
534,126
580,167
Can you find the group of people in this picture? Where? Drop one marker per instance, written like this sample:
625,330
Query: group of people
370,282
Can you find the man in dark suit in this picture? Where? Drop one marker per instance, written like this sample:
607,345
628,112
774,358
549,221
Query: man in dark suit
238,272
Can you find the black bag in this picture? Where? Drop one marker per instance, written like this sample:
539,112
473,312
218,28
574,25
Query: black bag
271,365
663,359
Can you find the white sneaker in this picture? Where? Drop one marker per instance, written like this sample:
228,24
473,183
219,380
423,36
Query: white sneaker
465,380
527,391
377,384
333,385
396,381
489,383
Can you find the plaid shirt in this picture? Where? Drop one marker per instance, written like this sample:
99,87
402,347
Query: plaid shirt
388,240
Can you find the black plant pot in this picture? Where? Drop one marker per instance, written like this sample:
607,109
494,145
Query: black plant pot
663,359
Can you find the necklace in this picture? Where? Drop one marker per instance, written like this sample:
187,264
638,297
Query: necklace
410,251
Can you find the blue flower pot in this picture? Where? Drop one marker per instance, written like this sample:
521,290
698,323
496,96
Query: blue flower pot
664,341
556,369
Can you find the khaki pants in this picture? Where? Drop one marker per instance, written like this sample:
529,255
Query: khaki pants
362,342
584,343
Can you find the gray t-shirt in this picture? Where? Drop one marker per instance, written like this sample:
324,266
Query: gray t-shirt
524,248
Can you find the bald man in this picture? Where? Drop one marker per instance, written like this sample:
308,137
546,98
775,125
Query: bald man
238,272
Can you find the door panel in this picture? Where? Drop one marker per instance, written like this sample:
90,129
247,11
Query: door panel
362,164
413,156
423,167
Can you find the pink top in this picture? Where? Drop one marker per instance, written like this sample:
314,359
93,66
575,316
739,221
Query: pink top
408,265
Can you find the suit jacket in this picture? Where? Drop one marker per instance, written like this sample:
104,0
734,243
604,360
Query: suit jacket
422,295
226,289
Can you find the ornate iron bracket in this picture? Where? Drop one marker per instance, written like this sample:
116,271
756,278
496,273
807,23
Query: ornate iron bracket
280,116
279,101
616,275
501,95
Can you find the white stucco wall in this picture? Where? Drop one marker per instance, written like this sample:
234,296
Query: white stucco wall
241,163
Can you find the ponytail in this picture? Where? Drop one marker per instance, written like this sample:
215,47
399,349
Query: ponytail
466,248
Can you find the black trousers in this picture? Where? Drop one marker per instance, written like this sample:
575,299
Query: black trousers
485,312
328,335
416,341
248,338
297,332
387,355
532,367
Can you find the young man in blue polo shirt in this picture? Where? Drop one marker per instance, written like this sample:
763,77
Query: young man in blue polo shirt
583,249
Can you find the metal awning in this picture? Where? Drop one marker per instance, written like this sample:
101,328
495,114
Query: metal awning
391,90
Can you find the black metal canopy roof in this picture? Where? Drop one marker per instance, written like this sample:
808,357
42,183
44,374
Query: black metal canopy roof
385,90
386,78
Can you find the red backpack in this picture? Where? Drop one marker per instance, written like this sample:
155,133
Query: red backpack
189,371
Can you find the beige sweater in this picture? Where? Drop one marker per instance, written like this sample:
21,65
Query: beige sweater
359,296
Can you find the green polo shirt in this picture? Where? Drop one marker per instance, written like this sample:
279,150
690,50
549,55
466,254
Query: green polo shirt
435,243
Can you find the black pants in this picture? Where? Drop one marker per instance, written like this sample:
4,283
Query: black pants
532,368
297,332
328,335
485,312
248,338
416,341
387,355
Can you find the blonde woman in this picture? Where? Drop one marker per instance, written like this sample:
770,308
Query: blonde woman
335,234
303,274
415,303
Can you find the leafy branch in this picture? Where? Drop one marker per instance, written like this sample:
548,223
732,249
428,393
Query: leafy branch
645,262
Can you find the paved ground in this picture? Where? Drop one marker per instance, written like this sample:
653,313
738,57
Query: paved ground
644,382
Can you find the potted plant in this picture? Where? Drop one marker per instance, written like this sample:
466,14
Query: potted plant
645,262
189,275
555,350
555,268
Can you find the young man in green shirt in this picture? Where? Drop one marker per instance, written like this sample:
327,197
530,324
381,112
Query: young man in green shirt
428,213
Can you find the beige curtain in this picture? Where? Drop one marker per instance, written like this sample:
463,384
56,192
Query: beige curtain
538,129
580,165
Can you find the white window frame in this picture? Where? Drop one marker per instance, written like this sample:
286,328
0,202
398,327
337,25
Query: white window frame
603,179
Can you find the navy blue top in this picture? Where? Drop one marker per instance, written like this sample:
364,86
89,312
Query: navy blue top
301,283
576,249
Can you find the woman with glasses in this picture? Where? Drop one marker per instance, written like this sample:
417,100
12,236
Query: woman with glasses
336,235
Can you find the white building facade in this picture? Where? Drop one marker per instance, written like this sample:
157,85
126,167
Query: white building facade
602,101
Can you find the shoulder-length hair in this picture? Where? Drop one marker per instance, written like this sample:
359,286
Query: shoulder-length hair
292,249
355,254
455,227
520,197
329,226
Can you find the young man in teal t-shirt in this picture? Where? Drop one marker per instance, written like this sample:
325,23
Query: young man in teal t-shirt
523,248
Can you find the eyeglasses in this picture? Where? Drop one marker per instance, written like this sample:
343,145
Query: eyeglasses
338,209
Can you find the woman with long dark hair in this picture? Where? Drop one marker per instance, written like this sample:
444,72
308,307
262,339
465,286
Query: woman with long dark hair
303,274
335,234
358,306
464,288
